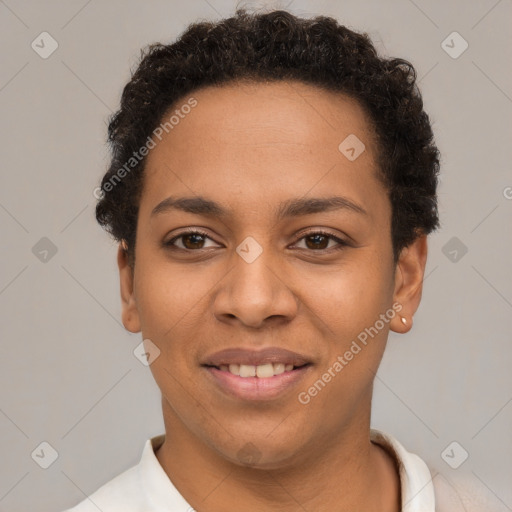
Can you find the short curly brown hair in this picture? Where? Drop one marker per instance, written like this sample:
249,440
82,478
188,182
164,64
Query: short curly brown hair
278,45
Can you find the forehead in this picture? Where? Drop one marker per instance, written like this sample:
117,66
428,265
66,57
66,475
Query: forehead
257,139
282,112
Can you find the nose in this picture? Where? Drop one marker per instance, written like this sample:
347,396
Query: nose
255,293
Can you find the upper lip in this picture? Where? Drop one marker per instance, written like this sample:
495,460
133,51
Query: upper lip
255,357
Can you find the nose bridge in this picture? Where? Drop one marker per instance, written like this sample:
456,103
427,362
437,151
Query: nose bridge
256,288
254,268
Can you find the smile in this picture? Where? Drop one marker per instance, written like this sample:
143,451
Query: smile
256,383
262,374
262,371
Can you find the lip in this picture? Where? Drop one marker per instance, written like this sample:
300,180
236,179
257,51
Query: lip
255,357
255,388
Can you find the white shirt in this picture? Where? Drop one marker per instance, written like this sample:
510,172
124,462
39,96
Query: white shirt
146,487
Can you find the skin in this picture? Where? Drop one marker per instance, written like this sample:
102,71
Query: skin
250,147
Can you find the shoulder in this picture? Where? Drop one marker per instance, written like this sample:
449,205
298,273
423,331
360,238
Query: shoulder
127,492
428,489
447,497
121,494
464,492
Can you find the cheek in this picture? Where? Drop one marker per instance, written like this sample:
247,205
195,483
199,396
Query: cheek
350,307
169,298
350,298
349,303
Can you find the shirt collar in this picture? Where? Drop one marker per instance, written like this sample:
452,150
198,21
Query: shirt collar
417,490
160,491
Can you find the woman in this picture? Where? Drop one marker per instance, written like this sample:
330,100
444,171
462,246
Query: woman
272,185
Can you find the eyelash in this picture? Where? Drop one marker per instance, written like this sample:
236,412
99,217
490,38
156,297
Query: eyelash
341,243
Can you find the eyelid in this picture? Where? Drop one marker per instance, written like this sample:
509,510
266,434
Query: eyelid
187,231
300,236
322,231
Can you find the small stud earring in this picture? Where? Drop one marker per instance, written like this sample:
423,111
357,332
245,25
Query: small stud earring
404,321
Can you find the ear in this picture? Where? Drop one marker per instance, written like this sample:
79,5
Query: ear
409,273
130,315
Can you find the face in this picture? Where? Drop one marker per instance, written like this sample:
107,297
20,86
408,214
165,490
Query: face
276,263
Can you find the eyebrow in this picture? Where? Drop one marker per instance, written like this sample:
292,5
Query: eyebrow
291,208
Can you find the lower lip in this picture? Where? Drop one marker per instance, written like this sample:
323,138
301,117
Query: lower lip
254,388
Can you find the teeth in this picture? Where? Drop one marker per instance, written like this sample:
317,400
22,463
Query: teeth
262,371
234,369
278,368
265,370
247,370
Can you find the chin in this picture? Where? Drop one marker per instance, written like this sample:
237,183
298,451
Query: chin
260,452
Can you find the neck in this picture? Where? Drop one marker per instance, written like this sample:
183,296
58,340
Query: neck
348,473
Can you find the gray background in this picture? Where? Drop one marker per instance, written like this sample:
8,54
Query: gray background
69,376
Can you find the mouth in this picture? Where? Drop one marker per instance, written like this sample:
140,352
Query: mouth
256,375
262,371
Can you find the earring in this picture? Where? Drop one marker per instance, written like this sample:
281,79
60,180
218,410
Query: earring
404,321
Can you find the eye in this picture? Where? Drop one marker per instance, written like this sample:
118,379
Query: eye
190,240
316,241
319,241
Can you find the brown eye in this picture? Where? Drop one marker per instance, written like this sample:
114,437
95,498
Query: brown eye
193,241
319,241
189,241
